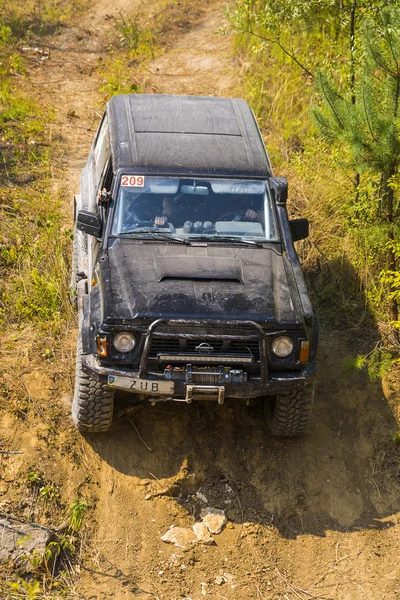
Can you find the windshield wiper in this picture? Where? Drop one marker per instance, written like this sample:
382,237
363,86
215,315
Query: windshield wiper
157,235
226,238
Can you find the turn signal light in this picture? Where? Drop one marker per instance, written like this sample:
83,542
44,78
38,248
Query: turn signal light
304,351
101,346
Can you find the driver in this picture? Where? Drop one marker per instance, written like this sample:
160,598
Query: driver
169,210
171,213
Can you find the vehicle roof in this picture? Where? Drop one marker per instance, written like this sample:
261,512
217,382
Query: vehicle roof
186,135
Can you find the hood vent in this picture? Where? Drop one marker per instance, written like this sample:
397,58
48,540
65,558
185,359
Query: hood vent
196,277
200,268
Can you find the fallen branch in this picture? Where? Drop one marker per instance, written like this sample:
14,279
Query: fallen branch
138,434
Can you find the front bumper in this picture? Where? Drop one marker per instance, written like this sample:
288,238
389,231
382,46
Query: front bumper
274,383
144,381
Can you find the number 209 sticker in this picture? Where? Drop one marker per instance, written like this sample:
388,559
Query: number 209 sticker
132,180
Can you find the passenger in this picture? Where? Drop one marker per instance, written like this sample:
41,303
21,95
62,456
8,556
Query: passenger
243,210
252,215
252,210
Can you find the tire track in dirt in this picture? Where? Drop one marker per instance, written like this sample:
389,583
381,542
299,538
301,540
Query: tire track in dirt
321,511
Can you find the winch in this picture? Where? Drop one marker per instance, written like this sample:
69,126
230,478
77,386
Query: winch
205,375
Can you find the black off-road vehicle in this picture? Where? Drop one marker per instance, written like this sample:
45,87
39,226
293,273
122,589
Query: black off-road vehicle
184,269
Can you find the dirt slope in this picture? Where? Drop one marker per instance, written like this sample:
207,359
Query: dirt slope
316,517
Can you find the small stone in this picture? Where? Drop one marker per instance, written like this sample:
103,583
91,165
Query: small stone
214,518
202,533
175,560
219,580
182,537
204,588
201,497
148,497
229,579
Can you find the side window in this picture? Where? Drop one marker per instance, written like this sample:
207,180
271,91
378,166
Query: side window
101,151
107,179
105,183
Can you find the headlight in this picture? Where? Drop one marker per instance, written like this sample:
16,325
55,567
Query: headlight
124,342
282,347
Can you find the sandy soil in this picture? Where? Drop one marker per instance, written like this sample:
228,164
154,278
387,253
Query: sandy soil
316,517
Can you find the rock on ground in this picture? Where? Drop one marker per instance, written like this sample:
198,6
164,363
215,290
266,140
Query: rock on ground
202,533
214,519
182,537
20,541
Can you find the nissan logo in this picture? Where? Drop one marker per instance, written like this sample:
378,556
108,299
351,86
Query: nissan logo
204,347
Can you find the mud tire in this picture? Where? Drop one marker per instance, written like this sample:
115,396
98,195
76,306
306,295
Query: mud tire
93,403
288,414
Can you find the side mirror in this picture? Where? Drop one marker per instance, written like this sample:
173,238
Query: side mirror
89,222
300,229
279,187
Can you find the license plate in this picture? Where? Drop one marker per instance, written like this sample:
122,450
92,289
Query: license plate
143,386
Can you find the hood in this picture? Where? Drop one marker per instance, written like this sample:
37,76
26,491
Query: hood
150,280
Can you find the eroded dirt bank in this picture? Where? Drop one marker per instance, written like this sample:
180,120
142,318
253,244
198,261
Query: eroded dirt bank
316,517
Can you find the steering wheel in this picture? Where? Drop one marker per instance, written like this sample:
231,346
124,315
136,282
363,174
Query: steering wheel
232,216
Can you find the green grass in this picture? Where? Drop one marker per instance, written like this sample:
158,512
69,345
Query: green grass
34,245
133,45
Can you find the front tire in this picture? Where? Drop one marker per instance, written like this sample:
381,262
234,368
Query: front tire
93,403
288,414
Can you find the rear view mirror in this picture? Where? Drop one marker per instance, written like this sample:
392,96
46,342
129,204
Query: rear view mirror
300,229
89,222
195,190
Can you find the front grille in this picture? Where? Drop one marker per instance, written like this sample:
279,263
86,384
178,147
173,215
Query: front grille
164,346
226,347
251,347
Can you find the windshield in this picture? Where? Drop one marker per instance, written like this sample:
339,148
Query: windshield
193,208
